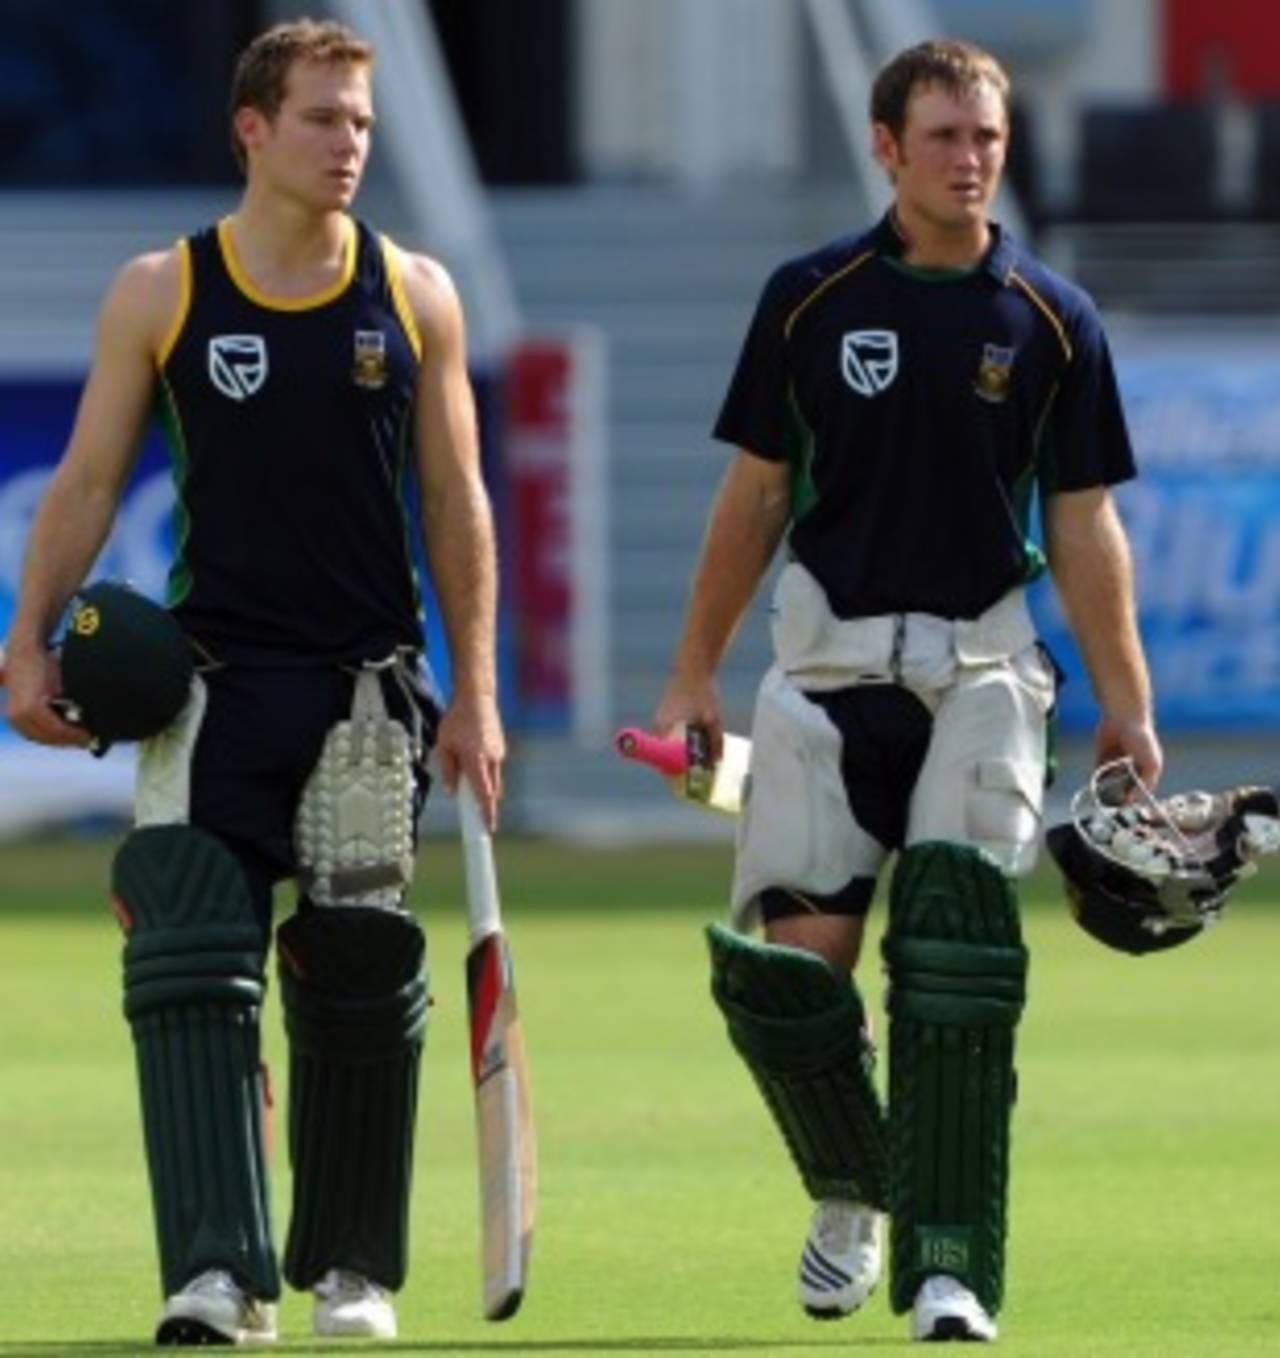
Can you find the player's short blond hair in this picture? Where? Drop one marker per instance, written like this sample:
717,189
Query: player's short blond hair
262,70
957,67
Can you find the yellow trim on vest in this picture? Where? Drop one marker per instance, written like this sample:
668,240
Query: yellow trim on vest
823,286
184,305
315,299
399,298
1059,328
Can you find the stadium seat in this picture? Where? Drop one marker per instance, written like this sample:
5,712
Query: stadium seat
1022,168
1149,162
1266,184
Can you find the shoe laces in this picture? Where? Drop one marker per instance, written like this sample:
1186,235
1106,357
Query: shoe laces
216,1280
942,1289
841,1226
345,1285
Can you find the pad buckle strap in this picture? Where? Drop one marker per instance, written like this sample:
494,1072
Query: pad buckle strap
899,644
402,668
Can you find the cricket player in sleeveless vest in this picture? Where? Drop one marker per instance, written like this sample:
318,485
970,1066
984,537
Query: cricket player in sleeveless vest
903,398
303,368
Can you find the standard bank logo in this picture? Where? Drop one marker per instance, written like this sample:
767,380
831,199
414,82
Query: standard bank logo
869,360
238,364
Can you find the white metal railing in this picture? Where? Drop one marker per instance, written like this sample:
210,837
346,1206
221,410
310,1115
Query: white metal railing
849,74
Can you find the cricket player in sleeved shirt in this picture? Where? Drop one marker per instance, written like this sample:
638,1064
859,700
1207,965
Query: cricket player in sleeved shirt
903,401
303,367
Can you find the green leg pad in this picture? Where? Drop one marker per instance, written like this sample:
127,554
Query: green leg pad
355,1004
957,983
193,987
802,1032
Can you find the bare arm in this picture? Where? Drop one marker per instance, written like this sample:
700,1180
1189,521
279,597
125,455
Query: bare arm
1089,558
458,527
77,508
746,524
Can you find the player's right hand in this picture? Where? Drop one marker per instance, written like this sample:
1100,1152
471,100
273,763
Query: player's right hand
688,703
33,688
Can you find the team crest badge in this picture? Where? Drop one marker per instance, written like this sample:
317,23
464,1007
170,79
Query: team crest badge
238,364
869,360
85,620
370,371
995,373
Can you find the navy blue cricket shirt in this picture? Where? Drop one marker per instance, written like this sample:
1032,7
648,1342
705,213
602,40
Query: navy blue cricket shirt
920,410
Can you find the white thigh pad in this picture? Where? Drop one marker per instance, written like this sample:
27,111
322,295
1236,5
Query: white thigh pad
982,782
353,833
162,785
796,829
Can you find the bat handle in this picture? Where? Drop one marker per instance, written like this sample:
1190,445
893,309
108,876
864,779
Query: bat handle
667,754
483,909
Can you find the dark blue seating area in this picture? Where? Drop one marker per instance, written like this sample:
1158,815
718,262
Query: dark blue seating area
1267,161
1149,162
117,93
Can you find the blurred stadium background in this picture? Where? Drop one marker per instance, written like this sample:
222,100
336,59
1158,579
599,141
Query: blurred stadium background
610,183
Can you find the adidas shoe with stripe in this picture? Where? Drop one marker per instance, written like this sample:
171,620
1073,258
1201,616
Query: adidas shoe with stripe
840,1263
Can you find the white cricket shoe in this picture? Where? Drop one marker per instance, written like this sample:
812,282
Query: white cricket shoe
840,1263
214,1309
946,1310
348,1303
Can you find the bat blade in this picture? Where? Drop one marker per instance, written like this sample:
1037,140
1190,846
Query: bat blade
504,1127
505,1140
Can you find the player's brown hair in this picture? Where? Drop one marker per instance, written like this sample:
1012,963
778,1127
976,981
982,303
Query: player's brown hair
263,67
958,67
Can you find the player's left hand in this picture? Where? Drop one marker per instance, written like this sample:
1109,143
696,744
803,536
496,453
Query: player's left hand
1133,739
470,743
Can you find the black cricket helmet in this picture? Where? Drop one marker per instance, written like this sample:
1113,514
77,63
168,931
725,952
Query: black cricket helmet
126,666
1113,903
1133,879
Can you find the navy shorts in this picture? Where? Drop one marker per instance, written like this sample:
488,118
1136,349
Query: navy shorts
262,733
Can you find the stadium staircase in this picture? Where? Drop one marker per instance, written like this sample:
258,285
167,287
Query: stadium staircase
58,252
1202,269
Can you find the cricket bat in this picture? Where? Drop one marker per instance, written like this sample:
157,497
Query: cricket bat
505,1145
686,764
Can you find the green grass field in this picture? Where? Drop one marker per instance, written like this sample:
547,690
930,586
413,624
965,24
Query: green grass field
1146,1157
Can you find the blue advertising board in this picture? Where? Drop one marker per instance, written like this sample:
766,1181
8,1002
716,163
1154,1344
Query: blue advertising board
1204,523
35,421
